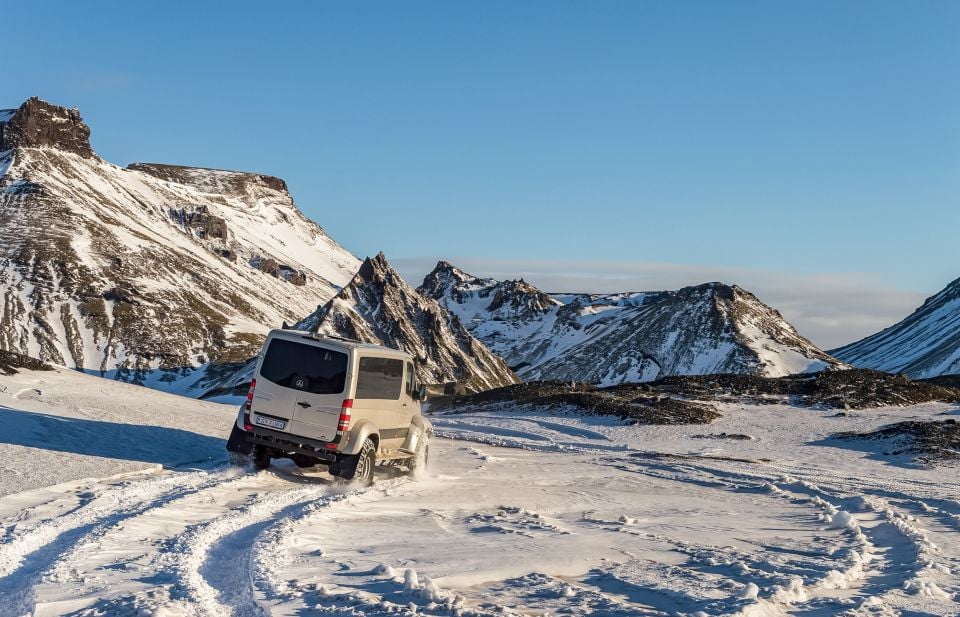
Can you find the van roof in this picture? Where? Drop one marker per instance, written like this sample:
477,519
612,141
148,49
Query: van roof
336,341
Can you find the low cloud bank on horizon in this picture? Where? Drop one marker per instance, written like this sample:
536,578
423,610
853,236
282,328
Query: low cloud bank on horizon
830,309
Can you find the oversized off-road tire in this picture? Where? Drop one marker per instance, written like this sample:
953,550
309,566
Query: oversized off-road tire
359,466
261,457
418,462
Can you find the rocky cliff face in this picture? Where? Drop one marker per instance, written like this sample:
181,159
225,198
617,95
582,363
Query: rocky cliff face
150,272
378,306
924,344
611,339
38,124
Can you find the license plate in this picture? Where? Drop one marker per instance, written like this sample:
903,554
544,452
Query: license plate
277,424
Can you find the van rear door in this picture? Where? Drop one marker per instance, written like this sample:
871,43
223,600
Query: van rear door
273,398
320,392
300,388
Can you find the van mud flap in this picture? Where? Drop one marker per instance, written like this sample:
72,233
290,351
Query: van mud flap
344,466
410,443
240,441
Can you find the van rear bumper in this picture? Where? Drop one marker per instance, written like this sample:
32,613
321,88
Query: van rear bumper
285,442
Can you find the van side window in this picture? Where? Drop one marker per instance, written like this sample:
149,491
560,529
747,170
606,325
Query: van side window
379,378
409,382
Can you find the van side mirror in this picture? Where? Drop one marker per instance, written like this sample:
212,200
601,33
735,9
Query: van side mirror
422,393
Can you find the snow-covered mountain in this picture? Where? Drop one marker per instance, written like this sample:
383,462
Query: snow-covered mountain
609,339
925,344
378,306
126,271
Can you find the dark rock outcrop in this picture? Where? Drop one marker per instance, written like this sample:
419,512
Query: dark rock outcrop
10,362
854,389
38,124
926,443
199,220
636,406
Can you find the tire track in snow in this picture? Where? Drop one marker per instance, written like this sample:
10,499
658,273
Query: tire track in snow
272,550
211,560
275,550
28,555
903,554
78,558
847,572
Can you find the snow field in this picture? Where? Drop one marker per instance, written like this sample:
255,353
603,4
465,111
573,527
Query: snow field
579,516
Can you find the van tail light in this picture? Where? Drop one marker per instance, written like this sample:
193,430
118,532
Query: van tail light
343,425
253,386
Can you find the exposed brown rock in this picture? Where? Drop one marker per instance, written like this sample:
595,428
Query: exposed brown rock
236,181
38,124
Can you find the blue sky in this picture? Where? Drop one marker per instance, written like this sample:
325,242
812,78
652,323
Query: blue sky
798,143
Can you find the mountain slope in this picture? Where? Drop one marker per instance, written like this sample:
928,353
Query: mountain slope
711,328
126,271
925,344
378,306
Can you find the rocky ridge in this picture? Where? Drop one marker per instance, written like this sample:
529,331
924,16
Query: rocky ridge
628,337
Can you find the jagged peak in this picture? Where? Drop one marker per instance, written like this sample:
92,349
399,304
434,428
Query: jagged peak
373,269
443,274
39,124
208,178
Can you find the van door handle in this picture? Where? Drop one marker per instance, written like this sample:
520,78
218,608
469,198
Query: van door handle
303,404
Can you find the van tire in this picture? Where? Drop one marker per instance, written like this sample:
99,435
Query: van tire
359,466
367,461
261,457
418,462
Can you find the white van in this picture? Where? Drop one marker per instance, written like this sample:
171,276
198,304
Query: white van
318,399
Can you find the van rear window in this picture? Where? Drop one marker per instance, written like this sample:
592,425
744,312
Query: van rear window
304,367
379,378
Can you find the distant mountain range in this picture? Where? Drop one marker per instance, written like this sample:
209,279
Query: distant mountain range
925,344
610,339
170,276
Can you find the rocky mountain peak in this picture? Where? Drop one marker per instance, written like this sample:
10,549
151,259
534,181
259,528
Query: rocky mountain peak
375,270
378,306
444,277
521,298
39,124
505,298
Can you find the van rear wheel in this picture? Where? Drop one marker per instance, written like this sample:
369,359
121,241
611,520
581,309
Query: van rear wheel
368,460
359,466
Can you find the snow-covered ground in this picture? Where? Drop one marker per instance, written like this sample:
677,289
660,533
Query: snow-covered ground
518,514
